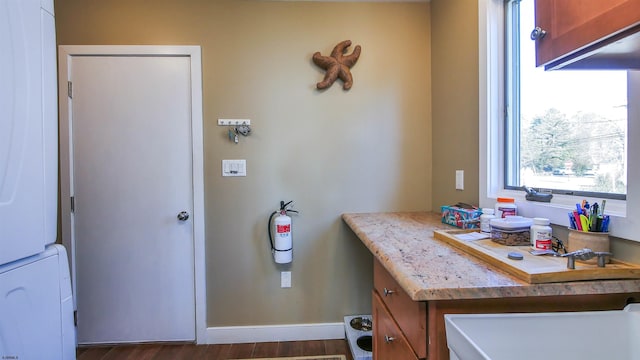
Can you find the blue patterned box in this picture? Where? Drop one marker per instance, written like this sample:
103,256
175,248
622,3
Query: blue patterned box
460,217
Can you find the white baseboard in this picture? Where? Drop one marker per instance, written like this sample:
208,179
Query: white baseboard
266,333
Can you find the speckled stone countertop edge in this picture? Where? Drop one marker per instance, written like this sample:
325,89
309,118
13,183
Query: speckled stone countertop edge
428,269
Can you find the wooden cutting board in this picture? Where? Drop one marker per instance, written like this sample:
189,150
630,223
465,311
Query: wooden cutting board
536,269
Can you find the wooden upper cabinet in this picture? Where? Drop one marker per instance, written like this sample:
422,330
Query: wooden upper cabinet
588,34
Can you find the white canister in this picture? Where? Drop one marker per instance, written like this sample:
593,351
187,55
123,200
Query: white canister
541,234
485,219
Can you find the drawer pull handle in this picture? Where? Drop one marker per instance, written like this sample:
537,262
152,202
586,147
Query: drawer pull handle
387,292
389,339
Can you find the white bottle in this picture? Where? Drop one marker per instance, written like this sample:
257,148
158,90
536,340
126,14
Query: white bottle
541,238
485,219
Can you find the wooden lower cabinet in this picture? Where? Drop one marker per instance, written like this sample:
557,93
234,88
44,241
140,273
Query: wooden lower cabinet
415,329
388,341
409,316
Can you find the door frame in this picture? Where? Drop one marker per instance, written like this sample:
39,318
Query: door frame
65,55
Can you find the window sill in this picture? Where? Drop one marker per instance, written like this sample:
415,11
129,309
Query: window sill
557,210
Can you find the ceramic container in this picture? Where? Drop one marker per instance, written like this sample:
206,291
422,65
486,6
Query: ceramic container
596,241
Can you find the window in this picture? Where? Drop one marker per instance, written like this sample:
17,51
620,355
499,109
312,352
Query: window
492,155
566,130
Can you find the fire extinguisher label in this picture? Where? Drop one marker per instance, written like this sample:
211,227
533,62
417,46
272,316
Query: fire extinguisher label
283,228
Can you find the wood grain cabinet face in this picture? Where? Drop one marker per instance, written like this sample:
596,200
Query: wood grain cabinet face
389,342
410,316
575,30
418,327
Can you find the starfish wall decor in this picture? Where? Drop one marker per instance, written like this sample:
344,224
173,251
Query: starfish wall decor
337,65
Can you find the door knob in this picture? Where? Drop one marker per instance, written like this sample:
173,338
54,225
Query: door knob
183,216
538,33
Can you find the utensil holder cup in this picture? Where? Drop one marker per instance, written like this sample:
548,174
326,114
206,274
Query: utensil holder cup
596,241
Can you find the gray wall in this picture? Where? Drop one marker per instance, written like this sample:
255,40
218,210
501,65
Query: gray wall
365,150
454,28
369,149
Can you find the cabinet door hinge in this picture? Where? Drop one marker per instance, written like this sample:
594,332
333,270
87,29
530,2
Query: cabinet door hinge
75,318
70,89
73,204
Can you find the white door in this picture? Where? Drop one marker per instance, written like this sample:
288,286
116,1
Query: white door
131,166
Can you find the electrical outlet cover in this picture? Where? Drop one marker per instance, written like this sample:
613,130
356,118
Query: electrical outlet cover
285,279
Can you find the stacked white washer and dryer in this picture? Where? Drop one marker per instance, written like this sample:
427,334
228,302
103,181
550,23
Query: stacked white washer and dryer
36,304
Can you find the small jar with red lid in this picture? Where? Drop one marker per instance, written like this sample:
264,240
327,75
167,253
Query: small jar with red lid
506,207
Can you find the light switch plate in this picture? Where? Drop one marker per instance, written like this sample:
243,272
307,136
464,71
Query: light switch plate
234,167
459,179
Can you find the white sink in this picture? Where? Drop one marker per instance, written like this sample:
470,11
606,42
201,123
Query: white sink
548,336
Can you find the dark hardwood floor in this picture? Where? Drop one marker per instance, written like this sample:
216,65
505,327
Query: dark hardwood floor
214,352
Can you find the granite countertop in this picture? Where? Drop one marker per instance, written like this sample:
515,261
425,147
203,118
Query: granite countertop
428,269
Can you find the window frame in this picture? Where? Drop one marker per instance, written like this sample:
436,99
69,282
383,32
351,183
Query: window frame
491,160
512,108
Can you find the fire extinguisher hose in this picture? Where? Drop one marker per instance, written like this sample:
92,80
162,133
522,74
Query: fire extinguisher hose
273,248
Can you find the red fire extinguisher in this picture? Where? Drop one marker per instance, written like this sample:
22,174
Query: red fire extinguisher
282,244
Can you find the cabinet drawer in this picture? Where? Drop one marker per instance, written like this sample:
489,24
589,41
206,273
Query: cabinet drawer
388,341
411,316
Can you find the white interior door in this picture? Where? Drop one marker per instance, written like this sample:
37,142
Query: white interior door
131,166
